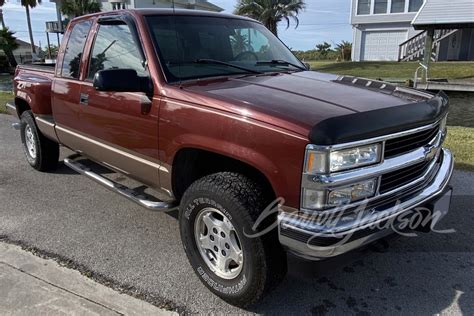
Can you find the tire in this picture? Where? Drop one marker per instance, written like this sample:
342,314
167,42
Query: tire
41,152
241,201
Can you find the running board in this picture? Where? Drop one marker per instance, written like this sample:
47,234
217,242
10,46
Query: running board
120,189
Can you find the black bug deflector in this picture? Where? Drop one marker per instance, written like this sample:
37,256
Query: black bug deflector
380,122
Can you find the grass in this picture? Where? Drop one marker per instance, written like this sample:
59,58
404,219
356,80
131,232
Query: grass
460,141
4,97
395,70
461,110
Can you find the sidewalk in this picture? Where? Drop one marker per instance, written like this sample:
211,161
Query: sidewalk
32,285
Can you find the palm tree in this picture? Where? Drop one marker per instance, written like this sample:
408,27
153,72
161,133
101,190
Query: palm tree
271,12
75,8
2,2
8,44
30,4
345,50
239,42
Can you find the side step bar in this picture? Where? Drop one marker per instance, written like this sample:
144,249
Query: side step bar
120,189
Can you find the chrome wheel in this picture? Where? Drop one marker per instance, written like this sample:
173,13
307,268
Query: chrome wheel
30,142
218,243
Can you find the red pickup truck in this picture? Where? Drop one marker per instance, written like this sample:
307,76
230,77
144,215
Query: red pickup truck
261,156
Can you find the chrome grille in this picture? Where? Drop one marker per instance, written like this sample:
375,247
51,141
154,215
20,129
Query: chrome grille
401,177
404,144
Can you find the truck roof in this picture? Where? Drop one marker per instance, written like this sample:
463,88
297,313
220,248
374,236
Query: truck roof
166,11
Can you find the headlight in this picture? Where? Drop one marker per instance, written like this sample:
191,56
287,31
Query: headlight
338,160
319,199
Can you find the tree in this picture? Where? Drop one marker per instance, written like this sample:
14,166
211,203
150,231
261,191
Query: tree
2,2
30,4
239,42
323,49
271,12
75,8
8,44
344,49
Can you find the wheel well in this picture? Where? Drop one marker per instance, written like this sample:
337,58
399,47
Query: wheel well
21,106
192,164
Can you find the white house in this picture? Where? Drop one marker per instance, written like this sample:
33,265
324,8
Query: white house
108,5
397,29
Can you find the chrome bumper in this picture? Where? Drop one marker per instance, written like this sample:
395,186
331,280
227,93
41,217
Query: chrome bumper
315,239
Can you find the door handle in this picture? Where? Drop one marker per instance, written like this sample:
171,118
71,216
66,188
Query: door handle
84,99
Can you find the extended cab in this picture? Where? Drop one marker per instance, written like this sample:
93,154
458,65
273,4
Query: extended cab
261,156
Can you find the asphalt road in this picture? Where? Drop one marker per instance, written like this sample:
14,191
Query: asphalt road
68,217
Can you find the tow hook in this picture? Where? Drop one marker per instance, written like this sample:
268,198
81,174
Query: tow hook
16,126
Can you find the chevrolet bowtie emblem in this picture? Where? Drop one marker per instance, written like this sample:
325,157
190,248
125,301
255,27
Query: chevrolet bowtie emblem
430,152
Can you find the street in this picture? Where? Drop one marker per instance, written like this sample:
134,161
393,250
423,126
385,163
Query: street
67,217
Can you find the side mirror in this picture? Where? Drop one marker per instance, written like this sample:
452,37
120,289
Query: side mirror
122,80
308,66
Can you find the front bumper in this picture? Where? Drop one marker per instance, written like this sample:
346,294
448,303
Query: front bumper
317,238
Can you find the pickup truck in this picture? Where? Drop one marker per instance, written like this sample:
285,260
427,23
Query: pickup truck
261,156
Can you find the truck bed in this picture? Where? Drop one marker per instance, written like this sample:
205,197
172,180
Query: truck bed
32,84
49,68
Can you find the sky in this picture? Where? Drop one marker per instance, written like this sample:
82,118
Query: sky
323,20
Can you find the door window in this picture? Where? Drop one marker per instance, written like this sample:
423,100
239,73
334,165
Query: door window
75,46
115,48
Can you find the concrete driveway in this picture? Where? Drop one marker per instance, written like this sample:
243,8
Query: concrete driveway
68,217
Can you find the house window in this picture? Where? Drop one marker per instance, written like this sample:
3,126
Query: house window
398,6
415,5
363,7
380,6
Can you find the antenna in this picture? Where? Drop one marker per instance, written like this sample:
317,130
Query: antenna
172,5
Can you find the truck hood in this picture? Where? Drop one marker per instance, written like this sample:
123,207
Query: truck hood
304,99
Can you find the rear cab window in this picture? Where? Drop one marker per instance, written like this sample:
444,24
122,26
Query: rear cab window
71,64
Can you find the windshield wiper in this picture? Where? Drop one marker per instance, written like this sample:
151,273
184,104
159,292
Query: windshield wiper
280,63
219,62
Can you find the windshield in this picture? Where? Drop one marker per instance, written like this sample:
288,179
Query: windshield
192,47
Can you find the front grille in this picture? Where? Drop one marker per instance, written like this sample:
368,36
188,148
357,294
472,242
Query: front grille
398,178
404,144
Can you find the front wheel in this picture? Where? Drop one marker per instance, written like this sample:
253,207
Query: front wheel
41,153
214,214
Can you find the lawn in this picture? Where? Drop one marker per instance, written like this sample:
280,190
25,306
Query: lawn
394,70
461,142
4,97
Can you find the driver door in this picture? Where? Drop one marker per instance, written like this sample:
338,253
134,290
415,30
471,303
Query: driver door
121,127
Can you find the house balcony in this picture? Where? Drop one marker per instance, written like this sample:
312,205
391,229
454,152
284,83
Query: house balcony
55,27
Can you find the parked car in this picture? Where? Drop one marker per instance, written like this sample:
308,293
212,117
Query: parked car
255,150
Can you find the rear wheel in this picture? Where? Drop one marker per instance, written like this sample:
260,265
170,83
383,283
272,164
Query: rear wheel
41,152
214,214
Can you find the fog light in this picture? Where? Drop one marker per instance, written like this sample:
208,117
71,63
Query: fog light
352,193
313,199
